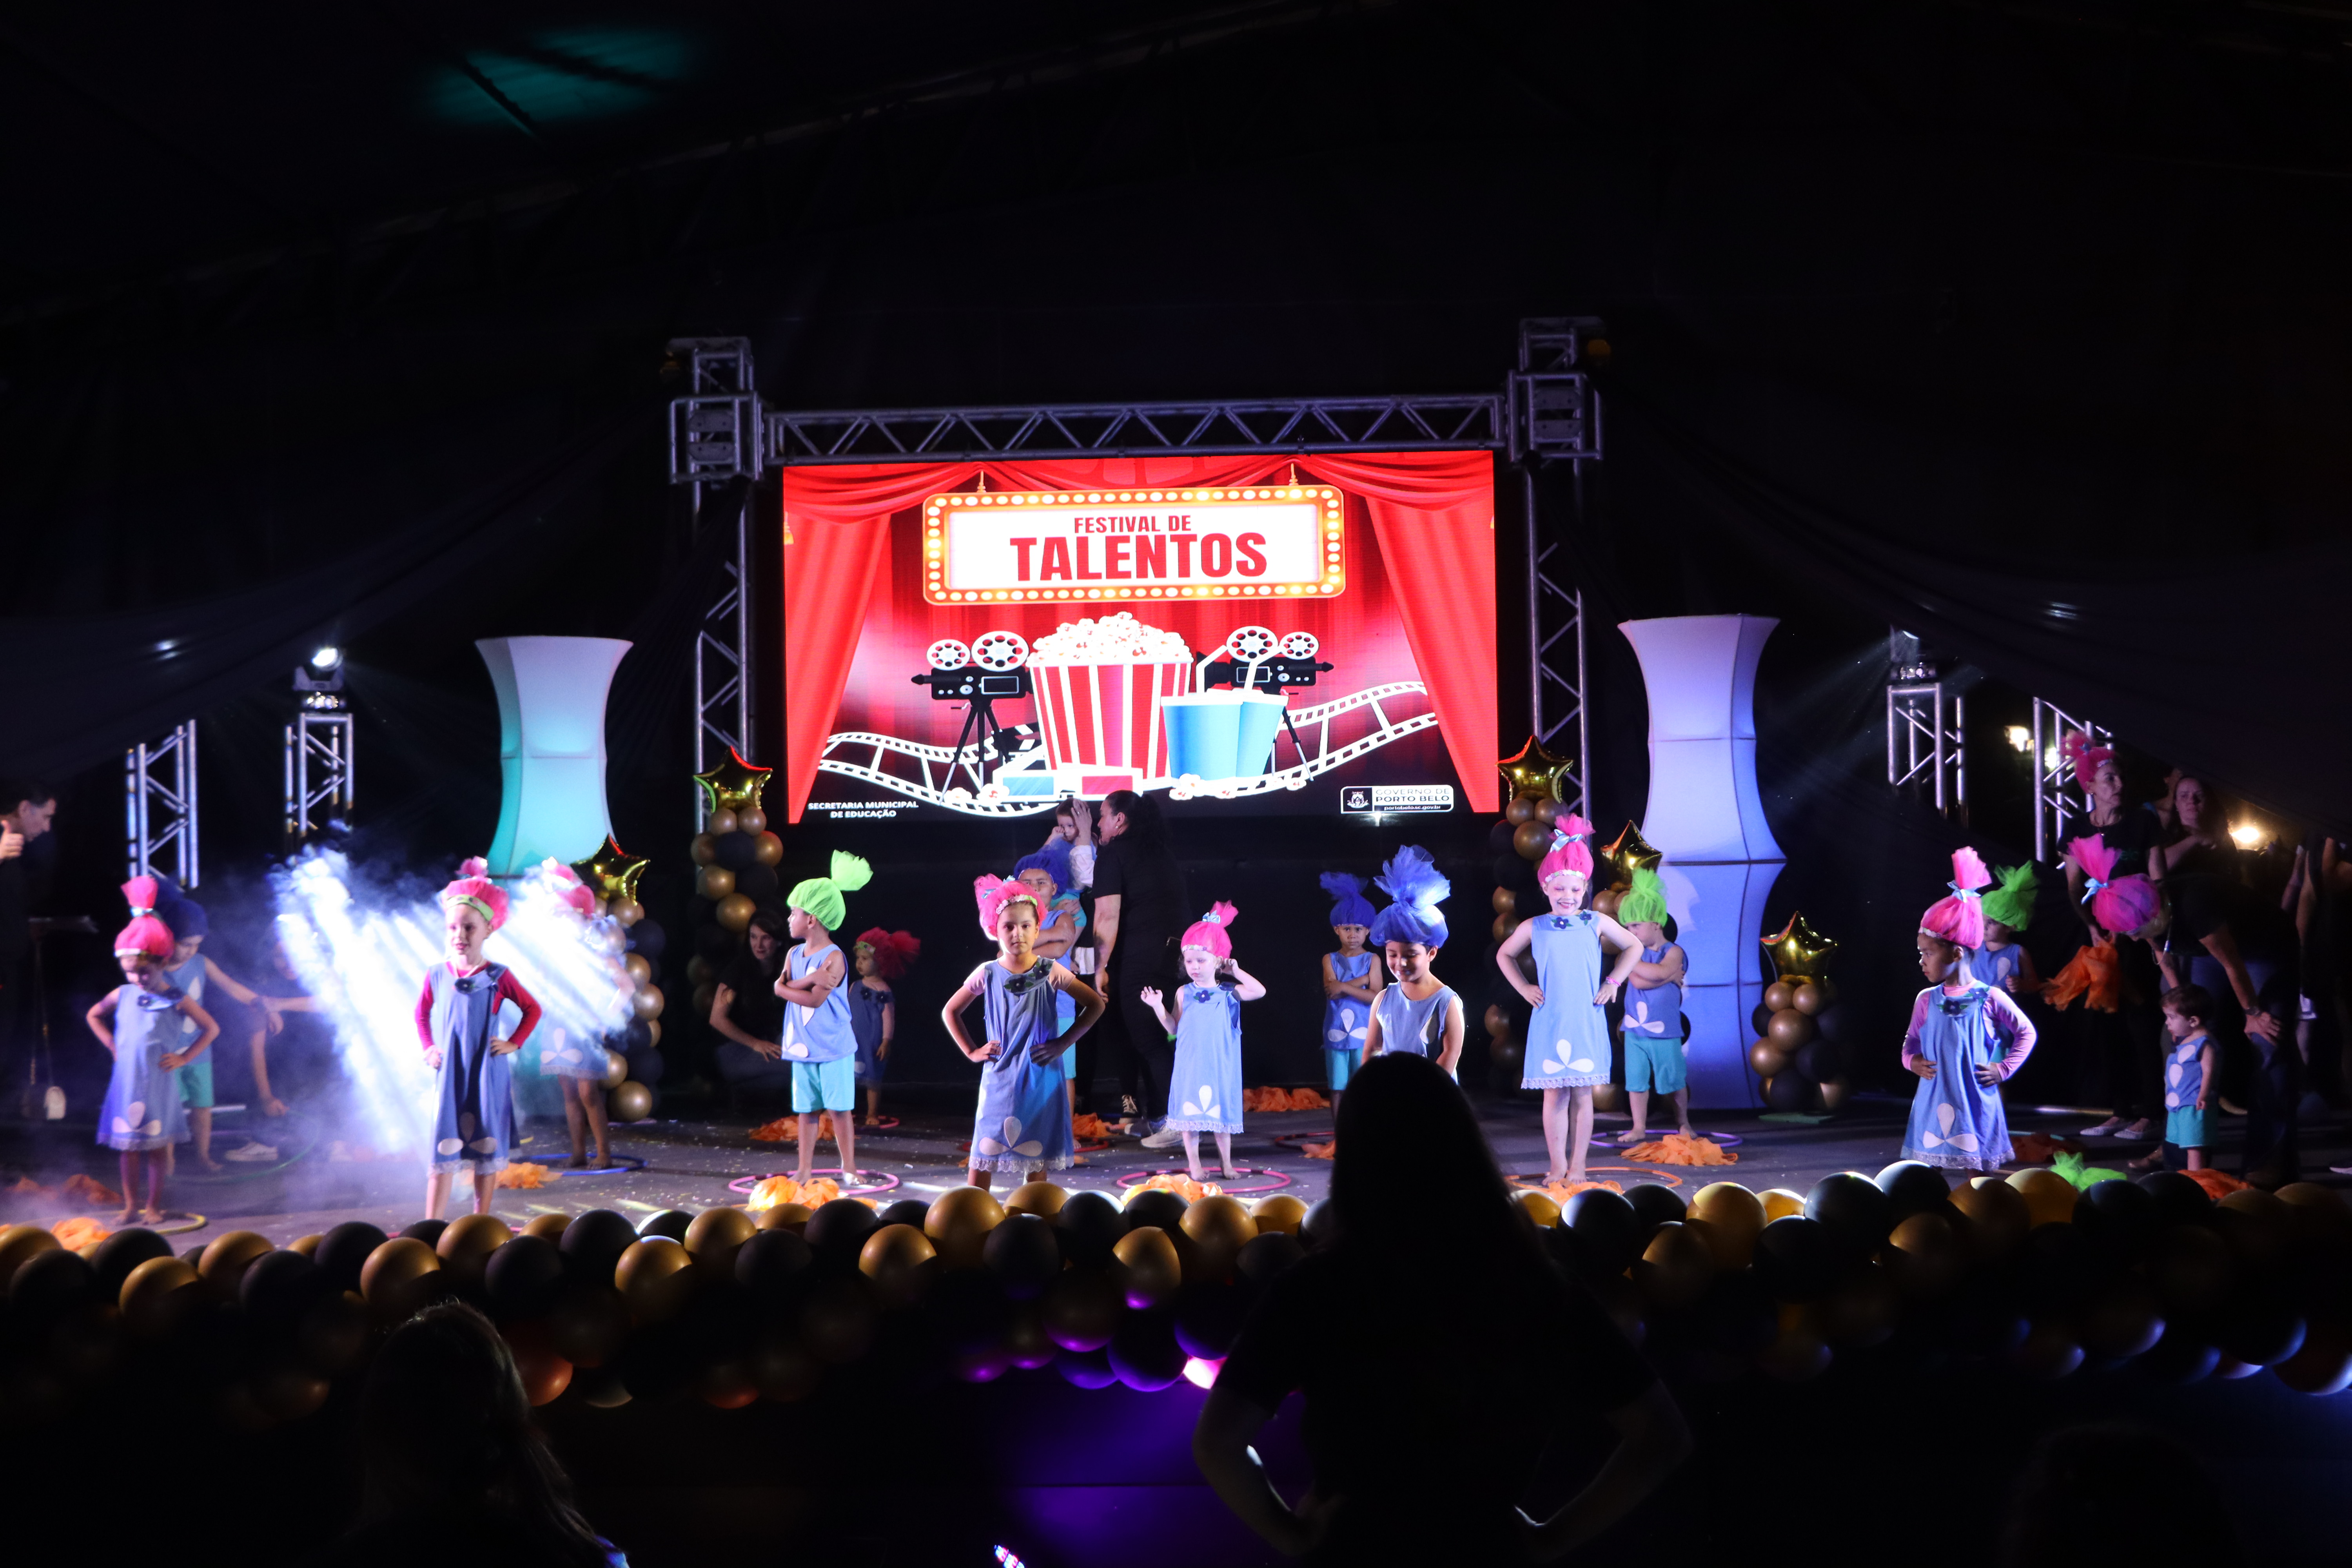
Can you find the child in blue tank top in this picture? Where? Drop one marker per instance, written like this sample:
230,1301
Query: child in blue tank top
1420,1014
2190,1063
1205,1089
820,1040
1351,982
2002,962
1654,1046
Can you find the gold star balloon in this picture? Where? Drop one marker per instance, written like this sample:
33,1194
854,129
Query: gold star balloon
1530,771
1800,950
1632,853
734,785
612,872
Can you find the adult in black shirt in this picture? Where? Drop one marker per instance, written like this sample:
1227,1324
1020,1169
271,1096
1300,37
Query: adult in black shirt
2124,1050
1142,908
1440,1352
26,809
746,1011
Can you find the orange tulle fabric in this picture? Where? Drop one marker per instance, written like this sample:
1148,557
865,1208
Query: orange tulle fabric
2093,974
1185,1187
74,1234
2217,1184
787,1130
1089,1129
523,1173
778,1190
1560,1192
1268,1100
2039,1148
76,1189
1674,1149
1321,1150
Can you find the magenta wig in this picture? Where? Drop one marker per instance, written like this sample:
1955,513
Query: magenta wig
145,933
1570,849
1958,916
1209,931
2118,903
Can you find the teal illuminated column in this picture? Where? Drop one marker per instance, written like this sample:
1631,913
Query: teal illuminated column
551,695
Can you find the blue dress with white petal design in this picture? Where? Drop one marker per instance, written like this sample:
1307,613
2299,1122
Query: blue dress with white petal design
142,1107
1568,1038
1024,1122
1205,1093
473,1127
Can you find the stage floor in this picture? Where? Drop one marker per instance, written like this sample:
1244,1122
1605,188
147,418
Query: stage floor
692,1163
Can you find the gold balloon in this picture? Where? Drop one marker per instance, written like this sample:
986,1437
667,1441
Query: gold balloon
1531,770
699,971
750,819
1997,1214
612,872
545,1374
1506,902
733,784
548,1227
626,912
1532,841
716,1235
1780,1203
616,1070
715,882
1835,1092
637,968
1799,948
1043,1199
399,1276
223,1263
1780,996
1632,853
157,1294
1788,1029
1733,1216
706,996
1081,1310
900,1260
1810,996
958,1223
1548,812
768,849
1538,1206
1609,1097
653,1031
647,1002
735,911
793,1217
465,1246
1284,1212
1606,901
655,1276
1767,1061
1675,1269
1519,812
719,822
308,1245
288,1391
19,1245
1497,1022
704,850
633,1102
1146,1269
1923,1256
1219,1227
1504,926
2049,1196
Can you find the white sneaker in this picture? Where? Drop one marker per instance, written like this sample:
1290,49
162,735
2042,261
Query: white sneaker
1166,1138
254,1153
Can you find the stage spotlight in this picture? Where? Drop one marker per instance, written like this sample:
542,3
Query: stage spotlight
326,658
322,671
2019,737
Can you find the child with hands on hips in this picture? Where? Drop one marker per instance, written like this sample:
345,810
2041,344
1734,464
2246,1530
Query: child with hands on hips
820,1040
457,1019
1654,1062
189,973
1204,1093
1420,1014
1351,982
1568,1038
881,957
142,1116
1060,919
1965,1037
1023,1122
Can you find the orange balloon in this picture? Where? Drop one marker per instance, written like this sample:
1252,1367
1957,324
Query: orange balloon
1538,1206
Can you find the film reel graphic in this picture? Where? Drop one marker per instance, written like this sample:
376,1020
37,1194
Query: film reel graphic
1250,644
948,654
998,652
1300,644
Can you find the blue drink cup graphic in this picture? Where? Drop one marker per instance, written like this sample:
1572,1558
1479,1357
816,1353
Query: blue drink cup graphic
1220,734
1261,720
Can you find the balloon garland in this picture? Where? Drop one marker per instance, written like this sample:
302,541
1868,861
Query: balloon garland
735,858
1797,1055
636,1064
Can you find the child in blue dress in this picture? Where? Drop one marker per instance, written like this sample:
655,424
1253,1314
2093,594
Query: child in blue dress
1420,1014
1204,1093
819,1039
881,956
2190,1064
1061,920
2002,962
142,1116
1654,1061
1022,1123
189,972
458,1016
1568,1038
1352,981
1965,1037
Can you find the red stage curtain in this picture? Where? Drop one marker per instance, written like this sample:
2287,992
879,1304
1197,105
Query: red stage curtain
1427,509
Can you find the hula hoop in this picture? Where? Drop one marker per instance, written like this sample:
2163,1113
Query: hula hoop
882,1181
621,1166
240,1171
1295,1139
1663,1174
1279,1181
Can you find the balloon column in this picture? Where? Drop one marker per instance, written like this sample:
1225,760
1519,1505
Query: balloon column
735,858
728,1308
612,874
1796,1052
1518,839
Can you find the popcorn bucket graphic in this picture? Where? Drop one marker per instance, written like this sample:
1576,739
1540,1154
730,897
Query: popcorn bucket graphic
1098,688
1222,734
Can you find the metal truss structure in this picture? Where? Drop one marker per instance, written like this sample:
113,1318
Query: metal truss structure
321,759
159,807
2051,769
1926,747
1548,412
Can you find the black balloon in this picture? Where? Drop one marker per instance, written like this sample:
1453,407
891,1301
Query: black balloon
1208,1317
647,940
593,1243
2183,1355
2178,1198
1499,838
1085,1369
121,1253
1791,1092
344,1251
1518,874
1654,1205
1158,1207
49,1285
2259,1329
279,1286
427,1231
1609,1226
671,1223
1022,1255
646,1067
1913,1188
773,1265
1266,1256
968,1310
1798,1259
1828,1023
1853,1209
1737,1316
1757,1022
711,939
2121,1219
1322,1225
735,850
600,1387
906,1211
839,1229
1087,1227
637,1035
524,1275
757,882
1144,1353
1816,1061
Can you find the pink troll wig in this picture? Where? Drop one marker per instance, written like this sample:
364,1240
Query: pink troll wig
2118,903
2086,758
145,933
480,892
994,893
568,887
1209,931
893,950
1958,916
1570,849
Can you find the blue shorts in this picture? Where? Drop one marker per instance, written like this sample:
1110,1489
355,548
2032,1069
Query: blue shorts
824,1086
2186,1128
196,1083
1339,1067
1654,1066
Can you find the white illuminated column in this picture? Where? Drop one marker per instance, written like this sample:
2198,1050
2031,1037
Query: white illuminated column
551,695
1705,816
